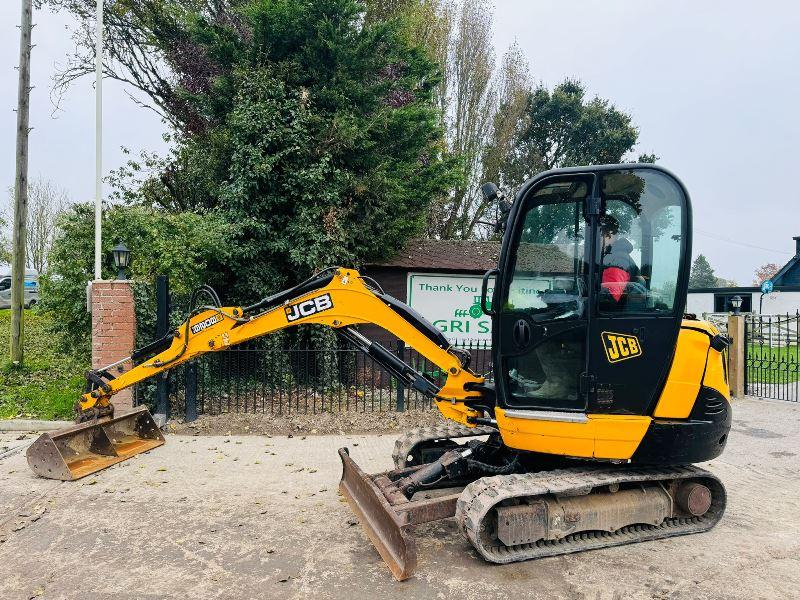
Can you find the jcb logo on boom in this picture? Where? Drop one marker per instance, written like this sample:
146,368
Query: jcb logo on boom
308,307
620,346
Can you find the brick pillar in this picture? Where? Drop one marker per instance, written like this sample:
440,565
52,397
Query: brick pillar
113,331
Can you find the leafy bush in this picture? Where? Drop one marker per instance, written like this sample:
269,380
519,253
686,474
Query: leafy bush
49,383
188,247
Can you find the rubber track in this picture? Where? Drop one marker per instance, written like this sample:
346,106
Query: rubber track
479,497
404,445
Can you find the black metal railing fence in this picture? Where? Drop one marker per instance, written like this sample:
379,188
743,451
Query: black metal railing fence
258,377
285,373
772,350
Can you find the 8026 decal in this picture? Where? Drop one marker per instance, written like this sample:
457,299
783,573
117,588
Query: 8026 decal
206,323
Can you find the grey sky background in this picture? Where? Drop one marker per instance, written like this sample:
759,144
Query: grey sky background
713,86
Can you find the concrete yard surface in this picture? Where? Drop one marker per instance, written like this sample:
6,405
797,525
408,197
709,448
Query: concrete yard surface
256,517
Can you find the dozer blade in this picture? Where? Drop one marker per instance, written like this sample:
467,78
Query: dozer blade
390,531
83,449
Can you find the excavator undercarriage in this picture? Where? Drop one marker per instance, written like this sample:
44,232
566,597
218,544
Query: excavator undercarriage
513,508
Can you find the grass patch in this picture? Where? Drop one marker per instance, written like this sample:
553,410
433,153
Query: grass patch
773,365
49,382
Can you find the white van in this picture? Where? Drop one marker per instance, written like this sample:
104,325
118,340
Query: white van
31,288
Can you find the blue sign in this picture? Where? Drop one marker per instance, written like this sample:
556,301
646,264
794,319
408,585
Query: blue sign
767,286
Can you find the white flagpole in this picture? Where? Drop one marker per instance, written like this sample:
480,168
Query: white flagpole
98,183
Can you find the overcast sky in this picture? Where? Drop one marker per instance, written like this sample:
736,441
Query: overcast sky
713,86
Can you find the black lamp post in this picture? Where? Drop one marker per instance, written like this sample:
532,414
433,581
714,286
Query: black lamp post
122,258
736,302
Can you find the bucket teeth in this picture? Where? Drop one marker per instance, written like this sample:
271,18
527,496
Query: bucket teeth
83,449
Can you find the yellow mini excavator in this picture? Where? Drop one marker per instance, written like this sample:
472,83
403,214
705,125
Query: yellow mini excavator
604,393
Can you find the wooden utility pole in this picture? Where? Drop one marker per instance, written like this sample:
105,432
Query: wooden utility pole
21,185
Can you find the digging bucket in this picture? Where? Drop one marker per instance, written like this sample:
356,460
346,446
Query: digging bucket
80,450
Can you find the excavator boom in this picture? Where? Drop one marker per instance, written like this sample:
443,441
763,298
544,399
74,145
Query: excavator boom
337,297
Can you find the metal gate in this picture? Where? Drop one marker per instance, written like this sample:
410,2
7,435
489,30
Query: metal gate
771,356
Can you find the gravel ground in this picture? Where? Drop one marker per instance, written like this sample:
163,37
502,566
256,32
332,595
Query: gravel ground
316,424
253,517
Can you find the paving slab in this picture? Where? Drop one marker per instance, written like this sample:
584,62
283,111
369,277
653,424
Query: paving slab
256,517
31,425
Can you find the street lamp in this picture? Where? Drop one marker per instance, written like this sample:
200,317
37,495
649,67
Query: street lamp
736,302
122,258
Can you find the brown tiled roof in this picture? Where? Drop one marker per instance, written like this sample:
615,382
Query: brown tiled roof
449,255
543,258
475,255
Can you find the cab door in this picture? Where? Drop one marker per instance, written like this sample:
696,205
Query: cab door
641,275
542,297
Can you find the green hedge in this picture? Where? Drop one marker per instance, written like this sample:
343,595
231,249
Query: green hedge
50,381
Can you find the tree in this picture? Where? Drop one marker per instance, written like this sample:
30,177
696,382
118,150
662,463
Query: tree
46,201
481,108
314,134
721,282
480,104
563,128
513,89
702,275
5,243
765,272
647,158
469,116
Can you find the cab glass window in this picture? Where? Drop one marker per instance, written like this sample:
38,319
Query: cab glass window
549,287
640,243
549,279
5,284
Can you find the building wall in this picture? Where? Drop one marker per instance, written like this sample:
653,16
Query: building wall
698,303
781,302
792,276
392,280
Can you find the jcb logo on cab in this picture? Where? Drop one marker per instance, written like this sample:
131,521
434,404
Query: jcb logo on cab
308,307
620,346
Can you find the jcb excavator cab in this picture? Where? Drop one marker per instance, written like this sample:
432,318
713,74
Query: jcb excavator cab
589,300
